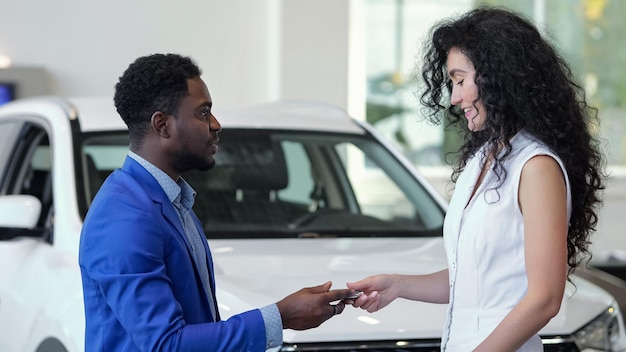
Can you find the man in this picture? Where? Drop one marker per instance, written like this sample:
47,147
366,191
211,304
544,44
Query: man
146,267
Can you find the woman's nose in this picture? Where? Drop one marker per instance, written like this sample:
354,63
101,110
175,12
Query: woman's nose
455,97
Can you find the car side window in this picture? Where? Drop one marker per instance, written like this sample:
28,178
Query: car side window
299,173
9,136
100,156
28,168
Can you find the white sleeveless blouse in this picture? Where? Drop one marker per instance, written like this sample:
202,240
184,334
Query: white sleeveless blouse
485,248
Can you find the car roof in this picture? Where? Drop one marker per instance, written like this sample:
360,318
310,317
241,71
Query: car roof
99,114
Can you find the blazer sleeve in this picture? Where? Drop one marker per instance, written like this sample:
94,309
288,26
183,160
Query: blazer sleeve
128,260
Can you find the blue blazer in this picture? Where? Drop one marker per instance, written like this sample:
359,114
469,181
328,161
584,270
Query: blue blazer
142,289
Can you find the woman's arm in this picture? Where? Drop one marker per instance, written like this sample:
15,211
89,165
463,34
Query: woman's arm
543,202
380,290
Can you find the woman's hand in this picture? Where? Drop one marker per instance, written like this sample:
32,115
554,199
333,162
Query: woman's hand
378,292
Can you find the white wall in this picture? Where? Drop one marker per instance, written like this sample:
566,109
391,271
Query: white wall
246,56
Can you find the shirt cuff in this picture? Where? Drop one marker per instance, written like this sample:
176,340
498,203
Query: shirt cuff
273,326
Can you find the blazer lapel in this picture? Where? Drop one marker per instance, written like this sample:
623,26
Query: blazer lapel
158,195
171,215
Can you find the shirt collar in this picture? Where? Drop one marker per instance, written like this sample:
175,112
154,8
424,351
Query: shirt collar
177,192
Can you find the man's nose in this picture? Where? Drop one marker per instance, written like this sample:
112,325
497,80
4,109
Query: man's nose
215,124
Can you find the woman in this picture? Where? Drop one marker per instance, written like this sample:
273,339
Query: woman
527,183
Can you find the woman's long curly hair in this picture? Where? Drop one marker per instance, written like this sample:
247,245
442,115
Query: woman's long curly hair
523,83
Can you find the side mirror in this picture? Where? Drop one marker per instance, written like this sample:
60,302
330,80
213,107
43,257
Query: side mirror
19,211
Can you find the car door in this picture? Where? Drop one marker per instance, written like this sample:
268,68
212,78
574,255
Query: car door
26,166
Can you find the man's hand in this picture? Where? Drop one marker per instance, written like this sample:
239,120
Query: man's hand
311,306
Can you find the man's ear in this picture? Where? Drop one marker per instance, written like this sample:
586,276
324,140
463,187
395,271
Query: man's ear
159,122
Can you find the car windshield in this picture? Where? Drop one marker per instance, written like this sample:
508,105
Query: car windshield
284,184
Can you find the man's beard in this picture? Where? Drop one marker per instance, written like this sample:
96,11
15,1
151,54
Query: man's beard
186,161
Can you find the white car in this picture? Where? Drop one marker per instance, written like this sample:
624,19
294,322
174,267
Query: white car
301,194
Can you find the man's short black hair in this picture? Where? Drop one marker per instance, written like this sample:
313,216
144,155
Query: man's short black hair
156,82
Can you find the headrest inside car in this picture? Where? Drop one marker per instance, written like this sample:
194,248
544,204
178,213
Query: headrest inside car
248,161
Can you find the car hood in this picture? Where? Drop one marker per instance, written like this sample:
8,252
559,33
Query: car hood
254,273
